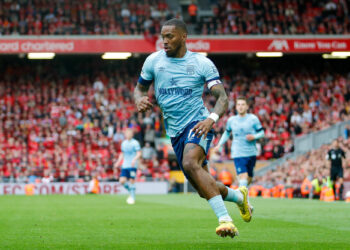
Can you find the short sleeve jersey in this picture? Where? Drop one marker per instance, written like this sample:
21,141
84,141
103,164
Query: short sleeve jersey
240,127
179,84
129,149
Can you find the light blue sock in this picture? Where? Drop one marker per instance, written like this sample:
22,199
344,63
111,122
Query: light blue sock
126,185
243,182
218,205
234,196
132,190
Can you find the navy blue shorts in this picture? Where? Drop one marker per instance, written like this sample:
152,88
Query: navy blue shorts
245,165
129,173
188,136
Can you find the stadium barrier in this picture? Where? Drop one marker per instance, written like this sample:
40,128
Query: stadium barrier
80,188
280,191
138,44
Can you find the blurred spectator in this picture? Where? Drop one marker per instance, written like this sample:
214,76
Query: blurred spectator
192,12
62,177
150,134
347,132
148,152
277,150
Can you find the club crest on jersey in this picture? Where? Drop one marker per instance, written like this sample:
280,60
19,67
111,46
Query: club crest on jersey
190,70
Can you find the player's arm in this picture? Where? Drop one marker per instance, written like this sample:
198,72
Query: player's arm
141,97
203,127
136,158
141,90
343,154
259,131
260,134
120,158
225,136
221,104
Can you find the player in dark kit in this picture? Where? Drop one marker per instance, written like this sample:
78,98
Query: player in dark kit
335,155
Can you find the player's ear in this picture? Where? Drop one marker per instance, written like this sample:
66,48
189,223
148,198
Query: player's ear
184,36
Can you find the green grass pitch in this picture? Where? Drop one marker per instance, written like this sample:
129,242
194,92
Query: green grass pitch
167,222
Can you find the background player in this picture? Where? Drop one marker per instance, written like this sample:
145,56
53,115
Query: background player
335,155
179,76
131,153
246,129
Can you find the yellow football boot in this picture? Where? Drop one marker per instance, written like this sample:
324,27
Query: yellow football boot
227,228
245,209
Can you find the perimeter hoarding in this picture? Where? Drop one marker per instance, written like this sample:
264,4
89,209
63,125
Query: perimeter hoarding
137,44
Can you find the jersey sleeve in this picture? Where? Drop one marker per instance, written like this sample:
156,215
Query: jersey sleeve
137,146
123,147
257,124
327,155
209,72
147,72
228,125
343,154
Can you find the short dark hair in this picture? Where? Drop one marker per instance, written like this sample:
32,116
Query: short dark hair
242,98
178,23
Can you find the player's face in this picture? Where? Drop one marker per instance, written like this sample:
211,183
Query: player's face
241,107
173,40
129,134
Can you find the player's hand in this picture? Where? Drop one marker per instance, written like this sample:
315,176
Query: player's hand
133,163
143,104
250,137
203,127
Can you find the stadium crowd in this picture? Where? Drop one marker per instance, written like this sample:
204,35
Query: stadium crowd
283,17
74,17
64,121
121,17
312,167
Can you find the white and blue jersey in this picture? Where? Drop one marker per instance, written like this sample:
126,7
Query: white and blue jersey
179,84
240,127
129,149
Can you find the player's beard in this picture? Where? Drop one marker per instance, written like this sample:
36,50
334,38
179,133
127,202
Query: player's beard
173,52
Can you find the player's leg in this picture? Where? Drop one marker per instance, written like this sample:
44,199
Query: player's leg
334,175
123,181
241,170
205,184
228,194
341,181
132,185
244,171
341,188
